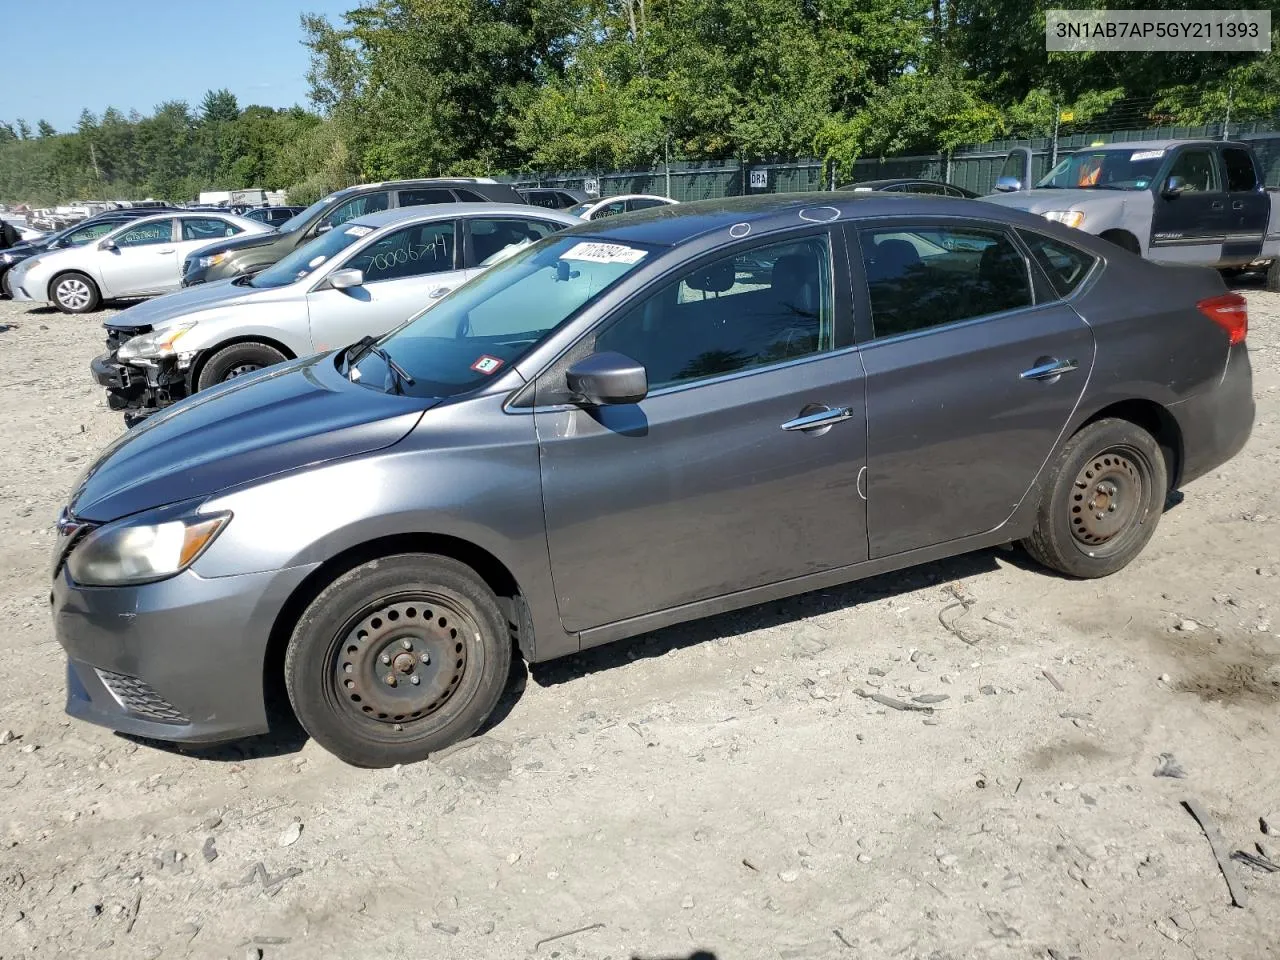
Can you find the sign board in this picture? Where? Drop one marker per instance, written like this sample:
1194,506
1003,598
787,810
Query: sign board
759,179
591,186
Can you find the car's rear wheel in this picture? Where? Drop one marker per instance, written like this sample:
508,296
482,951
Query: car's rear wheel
1106,491
1273,275
237,360
75,293
397,659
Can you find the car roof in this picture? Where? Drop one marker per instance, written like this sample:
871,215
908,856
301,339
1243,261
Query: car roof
629,196
436,211
420,182
1151,145
673,224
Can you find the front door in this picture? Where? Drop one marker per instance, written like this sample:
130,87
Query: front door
1249,208
403,271
144,260
970,378
740,468
1190,226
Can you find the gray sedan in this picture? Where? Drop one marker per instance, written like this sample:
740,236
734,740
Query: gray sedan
361,279
634,423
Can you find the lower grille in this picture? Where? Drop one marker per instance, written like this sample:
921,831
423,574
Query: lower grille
138,698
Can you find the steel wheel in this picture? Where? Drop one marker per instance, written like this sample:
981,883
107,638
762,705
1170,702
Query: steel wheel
1106,498
401,660
242,369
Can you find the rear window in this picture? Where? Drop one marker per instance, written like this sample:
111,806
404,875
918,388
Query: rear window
1066,266
1240,174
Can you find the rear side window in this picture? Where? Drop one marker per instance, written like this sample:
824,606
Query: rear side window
357,207
1240,172
417,198
1066,266
206,228
922,277
470,196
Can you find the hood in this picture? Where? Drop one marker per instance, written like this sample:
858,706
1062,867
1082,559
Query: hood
27,248
181,303
247,429
1038,201
245,241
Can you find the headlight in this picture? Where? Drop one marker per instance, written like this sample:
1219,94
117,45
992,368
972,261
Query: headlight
204,263
1072,218
133,552
6,258
153,346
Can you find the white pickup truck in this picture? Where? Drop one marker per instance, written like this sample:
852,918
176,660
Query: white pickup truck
1176,201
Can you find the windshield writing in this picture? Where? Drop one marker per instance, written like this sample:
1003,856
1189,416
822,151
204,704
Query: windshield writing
309,257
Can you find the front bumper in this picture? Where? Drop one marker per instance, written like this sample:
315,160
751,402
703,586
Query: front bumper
181,660
139,390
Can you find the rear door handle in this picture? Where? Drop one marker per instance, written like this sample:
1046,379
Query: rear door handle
160,253
1049,368
438,292
1237,204
821,418
1216,205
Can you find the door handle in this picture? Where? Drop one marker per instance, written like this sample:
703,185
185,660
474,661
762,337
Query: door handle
821,418
438,292
1216,205
161,253
1049,368
1237,204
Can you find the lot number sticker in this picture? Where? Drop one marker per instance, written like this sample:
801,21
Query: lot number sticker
1146,155
603,253
486,364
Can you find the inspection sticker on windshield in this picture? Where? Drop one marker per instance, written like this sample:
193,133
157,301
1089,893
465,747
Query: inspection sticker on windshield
604,253
358,231
1146,155
486,364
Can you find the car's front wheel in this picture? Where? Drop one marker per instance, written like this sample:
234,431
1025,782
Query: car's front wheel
236,360
1107,488
75,293
397,659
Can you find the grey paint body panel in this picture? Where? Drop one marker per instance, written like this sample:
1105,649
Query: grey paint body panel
620,520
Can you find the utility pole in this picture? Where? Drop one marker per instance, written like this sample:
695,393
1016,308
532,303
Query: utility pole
93,155
1053,150
1226,124
666,156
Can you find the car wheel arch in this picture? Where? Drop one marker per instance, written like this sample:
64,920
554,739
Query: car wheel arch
53,281
204,355
490,569
1152,417
1122,238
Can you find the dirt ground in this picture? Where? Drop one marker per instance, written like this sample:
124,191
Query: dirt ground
714,790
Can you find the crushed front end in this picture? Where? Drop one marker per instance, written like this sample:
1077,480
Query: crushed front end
139,386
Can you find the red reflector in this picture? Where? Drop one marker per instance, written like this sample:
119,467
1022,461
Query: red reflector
1229,311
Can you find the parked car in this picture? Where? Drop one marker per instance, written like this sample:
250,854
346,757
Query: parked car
1174,201
612,206
371,274
136,259
929,187
556,198
250,254
272,216
610,432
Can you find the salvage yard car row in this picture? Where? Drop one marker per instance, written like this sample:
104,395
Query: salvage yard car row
621,425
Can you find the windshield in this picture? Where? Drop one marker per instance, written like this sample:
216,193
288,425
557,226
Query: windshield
1104,170
299,220
579,209
490,322
307,258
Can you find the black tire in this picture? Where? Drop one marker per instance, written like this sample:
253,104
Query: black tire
399,617
1111,468
237,359
1273,276
74,293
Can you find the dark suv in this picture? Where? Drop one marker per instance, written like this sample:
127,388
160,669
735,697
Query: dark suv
250,254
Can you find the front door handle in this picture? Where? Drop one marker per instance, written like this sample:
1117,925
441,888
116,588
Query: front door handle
1049,368
819,419
1216,205
438,292
161,253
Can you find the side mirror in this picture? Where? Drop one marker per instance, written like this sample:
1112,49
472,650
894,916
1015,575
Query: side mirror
607,378
323,227
1008,185
108,245
1173,187
346,279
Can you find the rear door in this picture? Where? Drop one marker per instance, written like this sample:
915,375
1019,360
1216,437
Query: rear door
974,365
143,261
1191,226
1249,208
402,270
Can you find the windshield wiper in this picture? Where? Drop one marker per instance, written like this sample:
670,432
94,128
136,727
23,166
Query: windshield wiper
353,354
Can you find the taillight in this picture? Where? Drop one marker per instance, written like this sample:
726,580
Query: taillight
1229,311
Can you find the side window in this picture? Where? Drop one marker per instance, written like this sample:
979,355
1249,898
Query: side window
610,209
357,207
921,277
952,191
495,240
1064,264
759,307
642,203
470,196
412,252
540,198
206,228
416,198
564,201
146,234
1240,173
1196,167
90,233
933,189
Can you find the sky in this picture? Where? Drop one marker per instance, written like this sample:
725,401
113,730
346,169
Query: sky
59,56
